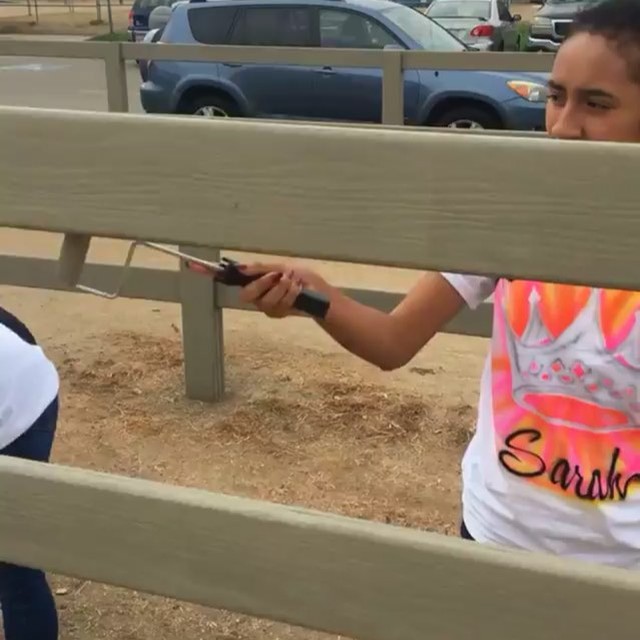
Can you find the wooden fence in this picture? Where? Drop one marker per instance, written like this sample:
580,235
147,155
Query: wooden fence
407,209
571,217
202,305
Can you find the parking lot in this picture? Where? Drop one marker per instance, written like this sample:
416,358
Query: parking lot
60,84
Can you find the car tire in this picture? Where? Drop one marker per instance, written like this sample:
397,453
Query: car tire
470,117
213,106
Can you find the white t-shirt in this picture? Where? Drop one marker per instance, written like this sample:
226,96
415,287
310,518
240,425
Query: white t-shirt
28,384
554,464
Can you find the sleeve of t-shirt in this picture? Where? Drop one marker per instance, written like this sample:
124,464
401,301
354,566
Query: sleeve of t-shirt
473,289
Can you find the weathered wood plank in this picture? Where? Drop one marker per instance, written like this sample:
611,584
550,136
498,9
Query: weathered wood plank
512,133
389,197
142,283
357,578
163,285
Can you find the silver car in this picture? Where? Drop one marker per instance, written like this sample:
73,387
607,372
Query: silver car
486,25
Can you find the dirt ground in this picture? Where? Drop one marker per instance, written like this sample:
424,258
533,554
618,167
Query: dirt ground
58,20
303,423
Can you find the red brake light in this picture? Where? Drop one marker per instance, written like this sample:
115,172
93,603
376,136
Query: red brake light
482,31
131,18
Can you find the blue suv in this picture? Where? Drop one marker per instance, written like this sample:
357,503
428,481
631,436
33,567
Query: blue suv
465,99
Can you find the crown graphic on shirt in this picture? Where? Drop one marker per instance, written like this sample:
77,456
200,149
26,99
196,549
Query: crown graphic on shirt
576,364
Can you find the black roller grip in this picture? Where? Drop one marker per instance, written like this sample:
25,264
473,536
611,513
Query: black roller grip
312,303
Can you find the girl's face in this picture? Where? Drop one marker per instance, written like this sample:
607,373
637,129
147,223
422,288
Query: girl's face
592,95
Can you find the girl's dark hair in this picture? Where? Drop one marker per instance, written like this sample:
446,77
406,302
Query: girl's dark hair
619,22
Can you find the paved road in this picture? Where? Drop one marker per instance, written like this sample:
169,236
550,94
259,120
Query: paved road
55,83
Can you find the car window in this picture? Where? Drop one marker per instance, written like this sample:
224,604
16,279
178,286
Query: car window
346,29
211,25
429,35
460,9
273,27
503,11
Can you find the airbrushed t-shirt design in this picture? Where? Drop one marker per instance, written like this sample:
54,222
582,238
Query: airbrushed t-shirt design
565,378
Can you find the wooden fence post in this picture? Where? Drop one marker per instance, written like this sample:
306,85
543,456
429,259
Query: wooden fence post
116,72
202,331
392,88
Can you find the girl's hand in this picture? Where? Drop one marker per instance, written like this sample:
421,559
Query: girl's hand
276,291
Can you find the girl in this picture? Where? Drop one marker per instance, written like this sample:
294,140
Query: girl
554,465
28,418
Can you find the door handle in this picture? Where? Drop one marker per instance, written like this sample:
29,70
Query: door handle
326,71
232,64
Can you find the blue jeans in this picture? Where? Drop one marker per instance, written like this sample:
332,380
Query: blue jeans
464,532
28,606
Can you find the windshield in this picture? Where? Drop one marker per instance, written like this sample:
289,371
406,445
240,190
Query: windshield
460,9
429,35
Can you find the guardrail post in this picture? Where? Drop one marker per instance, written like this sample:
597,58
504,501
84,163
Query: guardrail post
116,72
202,331
392,88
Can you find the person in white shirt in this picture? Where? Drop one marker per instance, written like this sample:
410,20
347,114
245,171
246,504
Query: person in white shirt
554,464
29,387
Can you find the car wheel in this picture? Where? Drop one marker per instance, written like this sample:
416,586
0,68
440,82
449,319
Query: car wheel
213,106
470,117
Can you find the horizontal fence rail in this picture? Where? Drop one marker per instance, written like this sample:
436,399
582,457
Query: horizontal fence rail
408,208
351,577
477,60
163,285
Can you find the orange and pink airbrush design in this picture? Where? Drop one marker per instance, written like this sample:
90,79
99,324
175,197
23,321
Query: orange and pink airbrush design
566,387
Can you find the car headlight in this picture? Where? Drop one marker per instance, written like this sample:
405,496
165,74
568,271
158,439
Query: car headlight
540,21
530,91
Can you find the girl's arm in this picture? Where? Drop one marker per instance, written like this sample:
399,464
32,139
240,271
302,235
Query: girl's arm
387,340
